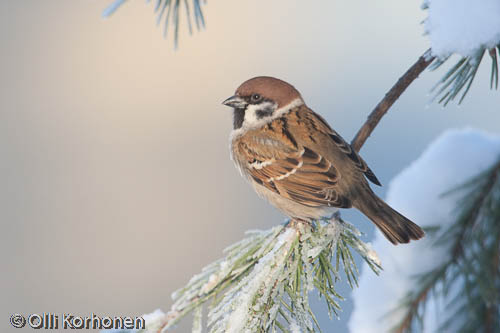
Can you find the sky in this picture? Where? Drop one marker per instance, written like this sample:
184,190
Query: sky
117,182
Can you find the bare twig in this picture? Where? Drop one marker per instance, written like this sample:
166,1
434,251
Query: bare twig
385,104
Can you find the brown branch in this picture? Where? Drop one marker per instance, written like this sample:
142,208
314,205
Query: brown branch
413,309
419,298
385,104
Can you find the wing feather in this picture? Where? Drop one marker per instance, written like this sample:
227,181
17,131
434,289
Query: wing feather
294,168
315,122
300,175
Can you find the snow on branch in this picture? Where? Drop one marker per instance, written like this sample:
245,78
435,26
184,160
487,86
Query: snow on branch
468,29
447,282
463,27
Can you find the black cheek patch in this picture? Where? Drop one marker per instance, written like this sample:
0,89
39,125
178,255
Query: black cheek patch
267,112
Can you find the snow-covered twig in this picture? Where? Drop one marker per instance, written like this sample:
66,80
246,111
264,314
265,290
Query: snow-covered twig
468,29
263,282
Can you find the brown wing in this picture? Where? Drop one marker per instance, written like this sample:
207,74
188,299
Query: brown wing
316,122
273,159
355,158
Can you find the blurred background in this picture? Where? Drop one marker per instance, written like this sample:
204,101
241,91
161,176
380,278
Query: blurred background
116,181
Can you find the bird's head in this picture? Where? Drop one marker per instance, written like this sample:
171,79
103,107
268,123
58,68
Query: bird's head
260,100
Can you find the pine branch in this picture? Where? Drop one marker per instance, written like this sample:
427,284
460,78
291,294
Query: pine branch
385,104
172,9
473,244
460,77
471,217
263,282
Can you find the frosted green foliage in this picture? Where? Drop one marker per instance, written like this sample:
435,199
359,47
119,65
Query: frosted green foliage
458,80
263,282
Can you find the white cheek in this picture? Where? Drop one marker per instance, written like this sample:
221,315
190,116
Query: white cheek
251,119
250,115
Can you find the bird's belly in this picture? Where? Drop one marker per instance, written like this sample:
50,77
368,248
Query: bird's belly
291,208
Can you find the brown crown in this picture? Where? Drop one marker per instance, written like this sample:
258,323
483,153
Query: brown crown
270,88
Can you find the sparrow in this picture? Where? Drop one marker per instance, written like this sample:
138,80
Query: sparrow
298,163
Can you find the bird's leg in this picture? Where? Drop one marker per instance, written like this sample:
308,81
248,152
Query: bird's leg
295,222
335,218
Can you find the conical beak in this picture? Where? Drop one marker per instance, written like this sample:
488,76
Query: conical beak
235,102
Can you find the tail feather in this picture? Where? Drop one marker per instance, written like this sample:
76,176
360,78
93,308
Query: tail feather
395,227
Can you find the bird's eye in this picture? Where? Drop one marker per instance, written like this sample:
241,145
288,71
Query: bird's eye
256,97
